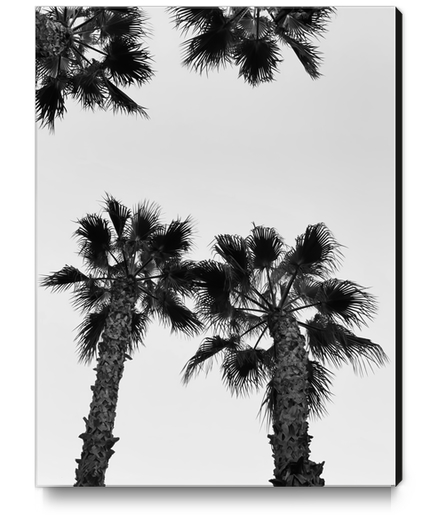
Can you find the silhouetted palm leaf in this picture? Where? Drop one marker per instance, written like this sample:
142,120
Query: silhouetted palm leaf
174,313
213,294
173,240
316,252
307,54
120,102
233,250
63,279
265,245
212,46
50,101
257,59
178,276
319,384
345,301
208,350
89,88
91,295
332,342
187,18
140,321
89,333
127,62
94,238
126,23
118,213
145,221
245,369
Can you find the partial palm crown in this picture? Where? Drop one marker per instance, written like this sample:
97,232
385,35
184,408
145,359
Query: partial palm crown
131,246
88,53
250,37
256,279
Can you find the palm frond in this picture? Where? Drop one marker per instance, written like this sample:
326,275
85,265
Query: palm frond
145,221
127,62
120,102
91,295
309,57
178,276
331,342
63,279
125,23
89,333
118,213
192,18
50,101
258,59
212,47
88,87
173,240
245,369
267,405
233,250
316,252
307,289
255,25
302,22
174,313
319,384
213,290
94,239
266,246
208,350
346,301
140,321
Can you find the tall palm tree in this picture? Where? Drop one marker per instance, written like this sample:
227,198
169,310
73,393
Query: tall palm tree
250,37
258,287
135,271
88,53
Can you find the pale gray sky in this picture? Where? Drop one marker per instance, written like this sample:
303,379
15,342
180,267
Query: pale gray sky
286,154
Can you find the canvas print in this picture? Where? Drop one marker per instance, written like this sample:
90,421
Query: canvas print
218,246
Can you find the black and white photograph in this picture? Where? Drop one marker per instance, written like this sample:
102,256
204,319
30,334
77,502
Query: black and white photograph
217,246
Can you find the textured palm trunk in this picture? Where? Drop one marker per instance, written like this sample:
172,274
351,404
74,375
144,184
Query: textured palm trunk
98,436
291,442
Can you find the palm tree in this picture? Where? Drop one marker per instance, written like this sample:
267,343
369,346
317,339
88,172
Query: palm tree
88,53
259,287
135,271
250,37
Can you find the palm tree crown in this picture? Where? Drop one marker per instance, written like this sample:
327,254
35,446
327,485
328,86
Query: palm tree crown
258,287
250,38
88,53
254,280
129,246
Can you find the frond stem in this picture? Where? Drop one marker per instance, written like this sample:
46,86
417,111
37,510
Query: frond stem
289,285
254,327
270,285
256,302
143,266
306,306
260,337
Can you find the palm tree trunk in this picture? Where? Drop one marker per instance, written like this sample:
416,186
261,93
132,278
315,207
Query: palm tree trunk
291,441
98,438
